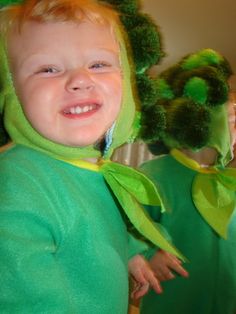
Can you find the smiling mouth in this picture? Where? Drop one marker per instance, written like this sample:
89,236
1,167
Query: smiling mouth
78,110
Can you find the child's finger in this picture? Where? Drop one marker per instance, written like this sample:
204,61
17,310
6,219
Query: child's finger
165,275
154,282
139,277
141,291
179,270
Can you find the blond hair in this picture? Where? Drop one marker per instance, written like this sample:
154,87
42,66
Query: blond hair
57,11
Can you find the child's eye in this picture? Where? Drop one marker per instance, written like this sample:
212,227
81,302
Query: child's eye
100,65
47,70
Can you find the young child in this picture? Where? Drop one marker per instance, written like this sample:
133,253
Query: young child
67,101
196,187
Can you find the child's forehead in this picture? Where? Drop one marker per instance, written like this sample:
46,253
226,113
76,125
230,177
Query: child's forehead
61,39
41,24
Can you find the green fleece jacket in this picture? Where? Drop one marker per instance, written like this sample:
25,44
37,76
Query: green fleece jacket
63,243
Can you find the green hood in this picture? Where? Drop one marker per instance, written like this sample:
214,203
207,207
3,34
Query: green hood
220,137
194,94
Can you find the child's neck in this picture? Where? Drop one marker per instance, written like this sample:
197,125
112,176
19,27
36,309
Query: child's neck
92,160
205,157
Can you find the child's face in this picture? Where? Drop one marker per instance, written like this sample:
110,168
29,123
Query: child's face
68,79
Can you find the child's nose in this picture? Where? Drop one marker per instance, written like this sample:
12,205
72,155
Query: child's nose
79,80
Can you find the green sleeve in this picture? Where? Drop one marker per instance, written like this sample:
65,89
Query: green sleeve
136,246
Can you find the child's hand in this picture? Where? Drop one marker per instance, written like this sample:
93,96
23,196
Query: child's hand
143,277
165,264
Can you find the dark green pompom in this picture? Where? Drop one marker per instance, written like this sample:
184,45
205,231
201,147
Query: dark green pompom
146,47
188,123
164,90
217,86
207,57
171,74
201,58
147,90
145,40
225,68
136,20
153,123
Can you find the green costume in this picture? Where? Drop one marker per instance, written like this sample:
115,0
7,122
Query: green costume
63,241
64,244
211,286
199,200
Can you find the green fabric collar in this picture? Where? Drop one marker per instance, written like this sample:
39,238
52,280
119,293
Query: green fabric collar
131,189
213,192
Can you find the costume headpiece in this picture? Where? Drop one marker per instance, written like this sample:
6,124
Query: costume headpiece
192,95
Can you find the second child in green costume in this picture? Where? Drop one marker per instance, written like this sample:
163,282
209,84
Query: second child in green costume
197,188
67,101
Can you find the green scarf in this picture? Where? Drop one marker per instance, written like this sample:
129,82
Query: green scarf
213,192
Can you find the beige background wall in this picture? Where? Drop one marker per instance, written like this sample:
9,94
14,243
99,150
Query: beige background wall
188,25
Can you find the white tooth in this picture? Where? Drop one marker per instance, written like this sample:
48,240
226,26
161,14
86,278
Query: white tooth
85,109
72,110
90,107
78,110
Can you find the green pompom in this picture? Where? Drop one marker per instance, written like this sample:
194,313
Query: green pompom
147,90
197,89
145,40
164,90
146,47
217,85
202,58
188,123
170,74
138,19
153,123
225,68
